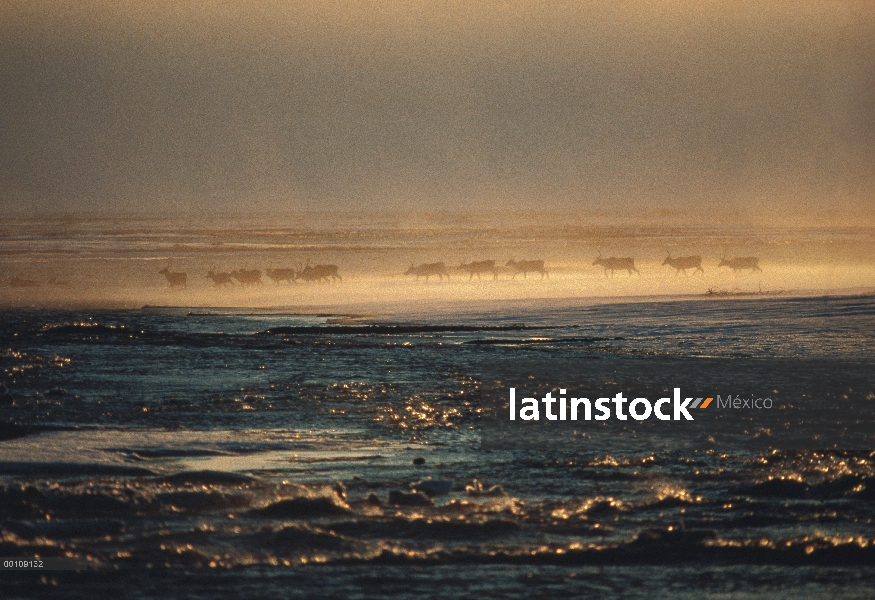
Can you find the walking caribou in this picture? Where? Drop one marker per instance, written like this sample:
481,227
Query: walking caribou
219,278
616,264
478,268
741,263
428,269
682,263
278,275
246,277
327,273
527,266
174,279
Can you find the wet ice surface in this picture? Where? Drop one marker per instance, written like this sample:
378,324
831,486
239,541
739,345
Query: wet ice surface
202,453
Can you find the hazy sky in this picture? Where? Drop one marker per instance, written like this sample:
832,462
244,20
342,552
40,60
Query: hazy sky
116,105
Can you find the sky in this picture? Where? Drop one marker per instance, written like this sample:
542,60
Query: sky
117,107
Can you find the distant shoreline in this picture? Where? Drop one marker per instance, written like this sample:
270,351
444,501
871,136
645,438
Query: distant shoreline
347,311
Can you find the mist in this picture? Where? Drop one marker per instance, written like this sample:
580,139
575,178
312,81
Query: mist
700,108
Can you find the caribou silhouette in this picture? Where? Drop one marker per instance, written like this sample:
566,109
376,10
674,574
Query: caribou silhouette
174,279
318,273
427,270
682,263
247,277
478,268
527,266
219,278
616,264
278,275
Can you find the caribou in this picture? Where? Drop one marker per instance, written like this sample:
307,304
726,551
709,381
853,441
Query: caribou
427,270
219,278
246,277
527,266
174,279
616,264
478,268
278,275
682,263
318,273
741,263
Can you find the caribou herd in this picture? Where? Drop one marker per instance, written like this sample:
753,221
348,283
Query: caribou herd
252,277
308,273
680,264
